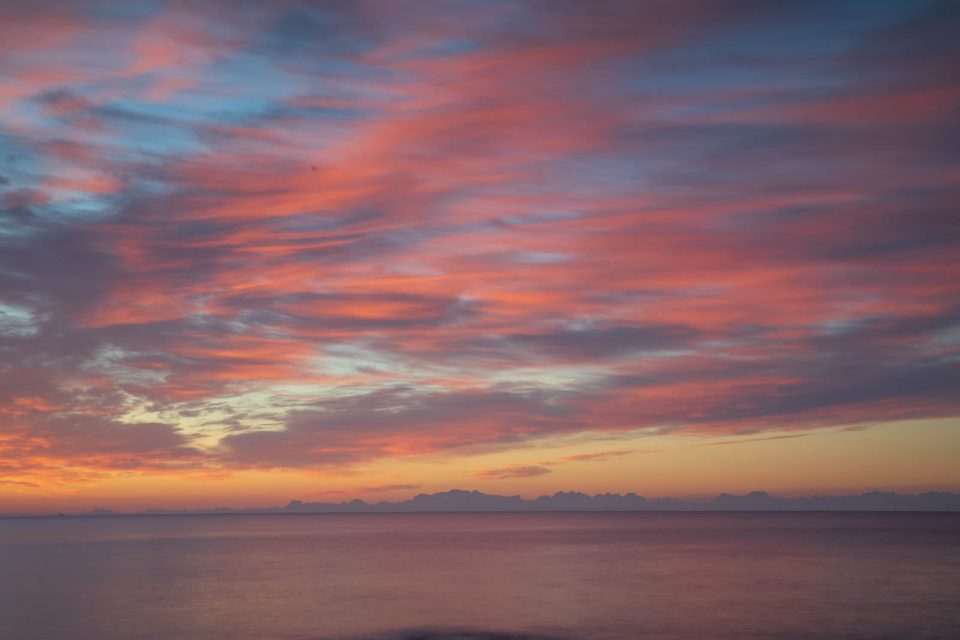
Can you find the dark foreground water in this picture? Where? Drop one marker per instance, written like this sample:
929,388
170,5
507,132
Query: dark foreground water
682,576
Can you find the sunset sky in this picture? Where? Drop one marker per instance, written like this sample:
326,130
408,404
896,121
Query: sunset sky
252,252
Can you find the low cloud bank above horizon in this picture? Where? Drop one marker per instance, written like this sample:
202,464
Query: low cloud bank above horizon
321,237
459,500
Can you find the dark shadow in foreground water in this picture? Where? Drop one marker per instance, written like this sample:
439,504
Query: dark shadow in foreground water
457,634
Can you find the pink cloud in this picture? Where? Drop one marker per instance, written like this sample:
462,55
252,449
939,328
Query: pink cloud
417,237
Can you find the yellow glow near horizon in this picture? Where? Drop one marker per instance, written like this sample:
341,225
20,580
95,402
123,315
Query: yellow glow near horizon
828,461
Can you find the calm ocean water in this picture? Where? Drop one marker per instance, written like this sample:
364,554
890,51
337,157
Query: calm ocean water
666,576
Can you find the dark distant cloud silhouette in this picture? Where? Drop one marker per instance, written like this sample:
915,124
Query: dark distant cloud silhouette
383,488
459,500
457,634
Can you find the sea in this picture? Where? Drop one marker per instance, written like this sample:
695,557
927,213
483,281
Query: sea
481,576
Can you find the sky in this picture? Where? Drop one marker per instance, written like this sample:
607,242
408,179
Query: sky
252,252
